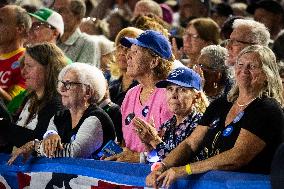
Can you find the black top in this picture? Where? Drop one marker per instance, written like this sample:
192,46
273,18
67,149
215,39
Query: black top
263,117
113,110
63,122
115,90
17,136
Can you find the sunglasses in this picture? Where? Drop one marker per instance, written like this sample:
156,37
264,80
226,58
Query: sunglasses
68,84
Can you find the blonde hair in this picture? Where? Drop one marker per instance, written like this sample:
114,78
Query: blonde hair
200,103
273,84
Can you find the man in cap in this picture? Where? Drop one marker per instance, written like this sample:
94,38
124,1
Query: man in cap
47,26
14,26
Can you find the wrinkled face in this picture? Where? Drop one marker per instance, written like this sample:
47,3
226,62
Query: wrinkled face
138,62
71,90
120,56
63,8
8,25
192,43
33,73
180,99
41,32
189,9
249,73
239,39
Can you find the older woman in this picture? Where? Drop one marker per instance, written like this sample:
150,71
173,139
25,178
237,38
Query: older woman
240,132
82,129
211,66
41,66
199,33
186,102
148,61
120,86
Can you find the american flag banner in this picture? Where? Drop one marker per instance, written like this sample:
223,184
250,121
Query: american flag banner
71,173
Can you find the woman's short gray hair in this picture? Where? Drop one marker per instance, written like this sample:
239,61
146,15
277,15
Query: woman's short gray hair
273,84
90,76
259,34
217,54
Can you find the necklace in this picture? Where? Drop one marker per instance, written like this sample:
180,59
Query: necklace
243,105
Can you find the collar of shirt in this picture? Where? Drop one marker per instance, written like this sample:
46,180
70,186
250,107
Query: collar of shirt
73,38
104,103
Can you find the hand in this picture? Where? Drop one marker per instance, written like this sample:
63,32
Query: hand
51,144
177,52
147,132
151,179
171,175
24,150
126,156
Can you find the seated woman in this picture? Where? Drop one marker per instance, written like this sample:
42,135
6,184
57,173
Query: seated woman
83,128
186,102
149,60
214,72
119,87
41,66
240,132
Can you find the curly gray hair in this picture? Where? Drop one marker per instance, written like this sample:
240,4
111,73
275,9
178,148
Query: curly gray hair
259,34
90,76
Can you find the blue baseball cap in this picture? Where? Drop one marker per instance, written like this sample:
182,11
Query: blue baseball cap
152,40
182,76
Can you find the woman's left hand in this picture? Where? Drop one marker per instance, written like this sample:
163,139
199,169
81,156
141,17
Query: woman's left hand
171,175
24,150
146,132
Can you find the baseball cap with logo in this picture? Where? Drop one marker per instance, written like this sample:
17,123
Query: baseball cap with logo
153,40
182,76
51,17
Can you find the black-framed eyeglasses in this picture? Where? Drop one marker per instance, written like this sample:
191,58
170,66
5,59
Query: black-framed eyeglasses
67,84
37,25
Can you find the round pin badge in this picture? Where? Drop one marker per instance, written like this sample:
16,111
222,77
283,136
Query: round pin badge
229,129
145,111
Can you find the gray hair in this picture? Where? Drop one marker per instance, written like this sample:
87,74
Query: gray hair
152,6
90,76
218,55
23,19
258,33
273,85
78,8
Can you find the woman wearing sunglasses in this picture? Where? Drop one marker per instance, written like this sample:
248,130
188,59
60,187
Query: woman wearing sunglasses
82,128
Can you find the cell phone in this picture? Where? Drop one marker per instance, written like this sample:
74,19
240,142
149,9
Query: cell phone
111,148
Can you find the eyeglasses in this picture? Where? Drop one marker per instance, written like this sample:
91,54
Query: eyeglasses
190,35
238,42
249,66
67,84
37,25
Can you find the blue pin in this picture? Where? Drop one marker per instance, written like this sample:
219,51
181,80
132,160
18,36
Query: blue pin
145,111
229,129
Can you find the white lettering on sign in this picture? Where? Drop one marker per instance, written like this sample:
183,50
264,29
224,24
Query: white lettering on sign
5,76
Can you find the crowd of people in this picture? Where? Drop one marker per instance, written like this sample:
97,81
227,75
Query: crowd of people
188,86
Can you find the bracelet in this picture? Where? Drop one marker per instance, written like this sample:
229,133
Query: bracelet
188,169
158,165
